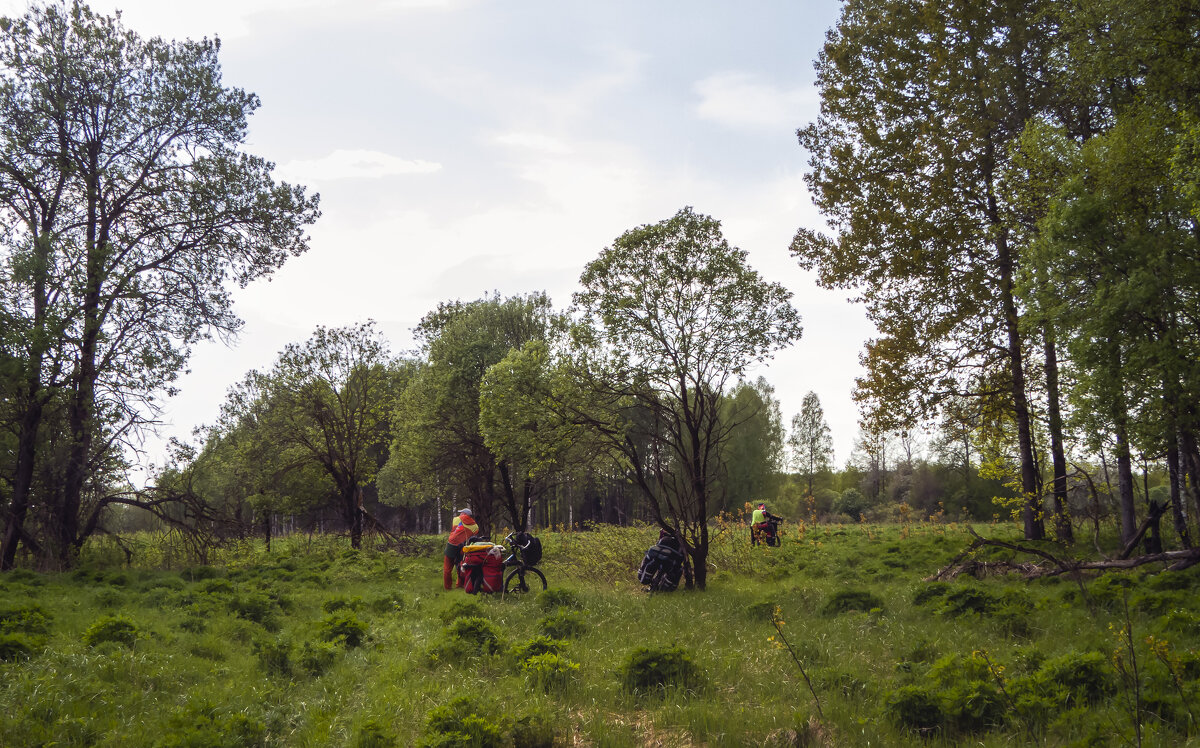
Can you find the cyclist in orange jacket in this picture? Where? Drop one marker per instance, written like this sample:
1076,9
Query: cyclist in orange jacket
463,528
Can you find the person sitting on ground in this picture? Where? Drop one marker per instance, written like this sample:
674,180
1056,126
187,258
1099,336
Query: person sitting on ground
463,528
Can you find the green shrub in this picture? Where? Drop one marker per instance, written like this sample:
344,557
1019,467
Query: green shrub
256,608
538,645
846,600
654,669
968,599
387,604
274,656
549,671
204,726
200,573
15,647
974,706
469,637
374,734
1073,679
334,604
563,624
534,731
26,619
116,629
318,657
216,586
762,610
915,708
929,593
558,598
343,627
458,724
462,609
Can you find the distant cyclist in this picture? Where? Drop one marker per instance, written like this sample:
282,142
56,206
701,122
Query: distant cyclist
764,526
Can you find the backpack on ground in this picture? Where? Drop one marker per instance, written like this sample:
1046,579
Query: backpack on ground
662,566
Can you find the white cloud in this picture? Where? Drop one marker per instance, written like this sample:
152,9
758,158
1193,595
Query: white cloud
533,141
353,164
741,100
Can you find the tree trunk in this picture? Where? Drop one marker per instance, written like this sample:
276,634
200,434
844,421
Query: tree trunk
1031,514
1062,518
1177,514
1125,504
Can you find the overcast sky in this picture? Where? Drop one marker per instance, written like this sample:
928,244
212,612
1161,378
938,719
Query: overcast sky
462,147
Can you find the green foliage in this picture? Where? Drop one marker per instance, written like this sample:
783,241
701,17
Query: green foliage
847,600
538,645
116,629
915,708
852,504
342,603
459,724
274,656
374,733
255,607
558,597
318,657
28,619
655,669
462,609
467,637
202,725
549,671
564,624
16,647
344,628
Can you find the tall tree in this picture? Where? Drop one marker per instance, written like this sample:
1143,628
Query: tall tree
811,441
328,404
754,457
130,208
670,314
438,448
919,103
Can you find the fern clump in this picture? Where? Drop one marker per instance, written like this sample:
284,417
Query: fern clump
649,669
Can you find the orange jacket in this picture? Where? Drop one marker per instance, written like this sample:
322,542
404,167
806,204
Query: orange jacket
467,528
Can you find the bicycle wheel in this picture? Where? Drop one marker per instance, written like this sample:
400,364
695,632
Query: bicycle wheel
520,581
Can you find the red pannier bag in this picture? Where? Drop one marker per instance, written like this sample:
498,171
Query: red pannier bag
482,568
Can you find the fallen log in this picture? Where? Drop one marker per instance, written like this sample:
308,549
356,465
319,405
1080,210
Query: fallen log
1053,566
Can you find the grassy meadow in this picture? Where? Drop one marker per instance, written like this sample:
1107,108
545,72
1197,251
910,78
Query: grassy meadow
316,644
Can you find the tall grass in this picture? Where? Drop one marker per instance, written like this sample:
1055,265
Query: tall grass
316,644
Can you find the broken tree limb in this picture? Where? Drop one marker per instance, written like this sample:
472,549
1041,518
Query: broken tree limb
1053,566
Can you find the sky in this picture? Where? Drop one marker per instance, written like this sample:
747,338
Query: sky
465,147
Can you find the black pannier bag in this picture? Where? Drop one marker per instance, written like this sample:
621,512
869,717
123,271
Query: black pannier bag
662,566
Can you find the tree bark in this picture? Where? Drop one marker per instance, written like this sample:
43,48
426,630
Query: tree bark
1062,518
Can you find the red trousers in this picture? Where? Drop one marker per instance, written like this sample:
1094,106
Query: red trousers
447,565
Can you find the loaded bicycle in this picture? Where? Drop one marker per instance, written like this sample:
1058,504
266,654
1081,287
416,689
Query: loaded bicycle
523,575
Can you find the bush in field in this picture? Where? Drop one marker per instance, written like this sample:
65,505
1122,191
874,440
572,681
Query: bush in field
255,607
15,647
317,657
335,604
374,734
558,598
929,593
1069,680
549,671
651,669
538,645
846,600
343,627
459,723
25,619
852,503
466,637
564,624
116,629
203,725
534,731
462,609
274,656
915,708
